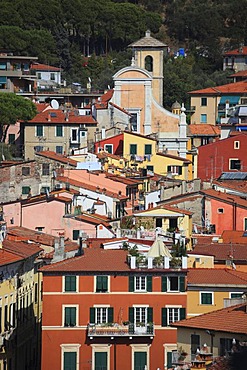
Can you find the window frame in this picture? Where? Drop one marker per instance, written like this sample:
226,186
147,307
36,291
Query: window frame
169,284
109,146
26,169
220,210
66,283
148,146
204,102
172,310
201,299
98,290
59,131
203,118
25,190
236,144
70,306
39,132
133,146
138,279
59,151
45,169
233,161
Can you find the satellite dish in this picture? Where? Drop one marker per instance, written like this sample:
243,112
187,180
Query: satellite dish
54,104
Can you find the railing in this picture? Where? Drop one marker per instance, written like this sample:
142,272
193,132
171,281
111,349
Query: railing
105,330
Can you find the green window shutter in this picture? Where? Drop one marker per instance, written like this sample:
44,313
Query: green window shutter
169,168
92,315
59,131
150,314
131,314
76,234
131,283
72,316
148,149
149,283
98,283
110,314
25,190
67,317
69,361
140,360
182,313
182,284
164,283
100,360
133,148
169,360
163,316
105,283
70,283
39,130
180,169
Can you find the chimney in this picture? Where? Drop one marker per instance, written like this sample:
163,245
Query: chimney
59,253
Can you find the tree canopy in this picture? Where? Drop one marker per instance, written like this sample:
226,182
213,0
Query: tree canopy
12,109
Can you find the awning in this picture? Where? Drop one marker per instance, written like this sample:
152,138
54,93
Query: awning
233,99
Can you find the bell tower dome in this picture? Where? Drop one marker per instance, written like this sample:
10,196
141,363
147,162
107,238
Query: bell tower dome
149,55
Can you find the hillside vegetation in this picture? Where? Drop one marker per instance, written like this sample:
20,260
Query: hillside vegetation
88,37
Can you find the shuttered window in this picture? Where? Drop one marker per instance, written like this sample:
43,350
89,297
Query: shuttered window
100,359
70,283
70,316
101,284
69,360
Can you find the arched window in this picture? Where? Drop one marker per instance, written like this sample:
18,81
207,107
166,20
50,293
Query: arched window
149,63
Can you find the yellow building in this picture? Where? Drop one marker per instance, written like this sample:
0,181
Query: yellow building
210,288
167,219
142,152
20,306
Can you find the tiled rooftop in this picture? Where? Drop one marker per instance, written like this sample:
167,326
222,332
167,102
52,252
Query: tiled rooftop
6,257
203,130
51,116
232,88
21,249
235,317
57,157
214,276
222,252
237,51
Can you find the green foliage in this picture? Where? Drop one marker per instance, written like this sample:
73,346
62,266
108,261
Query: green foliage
12,109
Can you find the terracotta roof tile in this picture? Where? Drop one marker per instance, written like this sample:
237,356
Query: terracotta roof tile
230,198
41,106
56,116
185,160
21,249
235,317
93,260
57,157
240,74
232,88
7,257
214,276
44,67
222,251
147,41
204,130
237,51
234,236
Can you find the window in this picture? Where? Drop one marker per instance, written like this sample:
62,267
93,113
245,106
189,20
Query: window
195,343
220,210
175,170
140,283
38,148
45,169
203,118
226,346
76,234
235,164
6,321
73,135
70,283
133,122
52,76
149,63
39,130
12,314
101,315
236,144
133,149
70,316
173,284
25,171
69,361
108,148
140,315
206,298
3,66
3,82
39,76
11,138
25,190
204,102
101,284
173,314
140,360
59,130
150,168
59,149
148,149
100,360
236,295
245,224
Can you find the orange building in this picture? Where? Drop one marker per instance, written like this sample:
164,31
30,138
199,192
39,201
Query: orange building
104,311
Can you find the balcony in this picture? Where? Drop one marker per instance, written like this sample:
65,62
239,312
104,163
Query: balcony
118,330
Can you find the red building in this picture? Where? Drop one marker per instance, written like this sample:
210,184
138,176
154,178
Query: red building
225,155
103,311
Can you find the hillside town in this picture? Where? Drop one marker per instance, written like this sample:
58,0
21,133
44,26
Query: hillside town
123,225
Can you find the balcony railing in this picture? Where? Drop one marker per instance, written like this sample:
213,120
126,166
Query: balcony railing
105,330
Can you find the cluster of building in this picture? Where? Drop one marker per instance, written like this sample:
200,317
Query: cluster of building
122,227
